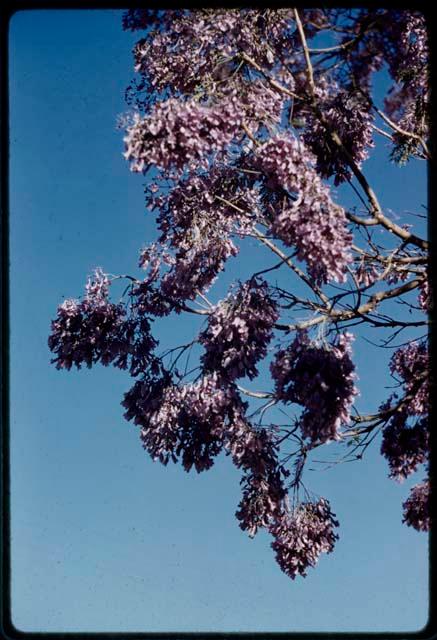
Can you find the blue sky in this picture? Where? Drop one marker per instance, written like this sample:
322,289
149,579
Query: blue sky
103,539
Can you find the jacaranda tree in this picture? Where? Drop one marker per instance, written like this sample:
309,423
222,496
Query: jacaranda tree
247,124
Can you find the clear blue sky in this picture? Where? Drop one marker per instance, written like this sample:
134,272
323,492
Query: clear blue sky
103,539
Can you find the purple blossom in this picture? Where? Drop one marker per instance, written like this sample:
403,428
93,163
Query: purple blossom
411,365
405,447
321,379
366,274
96,330
176,134
190,422
424,297
188,46
196,222
261,502
416,507
303,535
349,117
239,331
300,210
255,451
408,101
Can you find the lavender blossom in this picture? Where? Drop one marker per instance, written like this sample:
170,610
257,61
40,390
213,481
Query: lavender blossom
301,211
303,535
239,331
178,134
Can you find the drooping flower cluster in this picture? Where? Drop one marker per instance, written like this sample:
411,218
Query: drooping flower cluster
300,209
416,507
263,489
261,501
176,134
408,61
302,535
350,119
321,379
408,101
196,219
239,331
188,422
196,269
188,47
411,365
218,198
194,423
405,447
96,329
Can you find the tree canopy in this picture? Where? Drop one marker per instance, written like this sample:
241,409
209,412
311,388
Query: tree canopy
245,123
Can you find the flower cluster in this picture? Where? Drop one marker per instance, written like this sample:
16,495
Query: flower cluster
189,421
300,208
321,379
196,219
405,447
188,47
348,117
218,198
411,365
416,507
424,297
96,330
366,274
175,134
408,61
195,48
239,330
408,100
255,451
261,502
196,269
260,103
302,535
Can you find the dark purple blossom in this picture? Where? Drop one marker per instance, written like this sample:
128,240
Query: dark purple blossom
97,330
239,330
261,502
302,535
349,117
416,507
405,447
411,364
424,297
190,422
256,452
321,379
